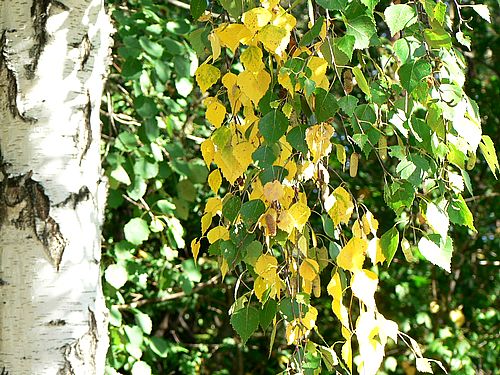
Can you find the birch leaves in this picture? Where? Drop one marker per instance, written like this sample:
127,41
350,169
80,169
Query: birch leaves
283,138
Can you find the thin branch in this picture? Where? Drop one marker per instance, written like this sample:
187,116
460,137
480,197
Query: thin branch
168,297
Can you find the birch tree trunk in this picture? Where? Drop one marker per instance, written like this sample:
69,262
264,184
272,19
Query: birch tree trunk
53,58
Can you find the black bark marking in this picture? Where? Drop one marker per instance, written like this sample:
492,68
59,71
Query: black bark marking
87,136
85,48
74,198
28,196
4,371
57,323
40,10
3,282
39,15
8,82
73,352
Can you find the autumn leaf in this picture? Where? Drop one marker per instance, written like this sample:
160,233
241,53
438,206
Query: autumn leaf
206,76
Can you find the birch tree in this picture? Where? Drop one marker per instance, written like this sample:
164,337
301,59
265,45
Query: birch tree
53,57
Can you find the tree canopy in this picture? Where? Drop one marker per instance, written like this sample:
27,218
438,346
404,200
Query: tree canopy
302,186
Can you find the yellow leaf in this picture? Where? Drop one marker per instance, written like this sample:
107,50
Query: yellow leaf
195,248
269,4
216,112
334,287
317,287
218,233
370,224
259,286
224,267
274,38
318,67
256,18
273,191
285,20
243,152
252,59
215,180
363,285
215,45
352,255
228,164
254,85
309,319
233,91
285,81
300,213
292,333
341,155
285,222
266,267
342,208
206,221
356,229
206,75
353,164
268,222
208,151
309,269
230,35
371,351
347,354
213,206
375,251
318,140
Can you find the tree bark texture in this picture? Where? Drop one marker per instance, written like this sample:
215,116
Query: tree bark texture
53,59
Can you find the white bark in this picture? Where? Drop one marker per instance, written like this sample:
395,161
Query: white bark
53,58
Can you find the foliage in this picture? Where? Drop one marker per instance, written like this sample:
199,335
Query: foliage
333,147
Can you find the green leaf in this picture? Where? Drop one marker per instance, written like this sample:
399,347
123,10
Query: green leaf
134,335
268,313
398,195
459,213
313,33
145,169
436,250
265,156
348,104
273,126
326,105
253,252
463,39
359,24
234,8
437,219
389,243
251,211
399,17
190,270
333,4
165,206
159,346
482,10
296,137
488,150
361,80
120,174
413,72
136,231
346,45
231,207
116,275
141,368
150,47
143,321
437,37
245,322
198,7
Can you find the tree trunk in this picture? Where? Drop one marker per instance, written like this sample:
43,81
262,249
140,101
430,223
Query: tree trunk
53,58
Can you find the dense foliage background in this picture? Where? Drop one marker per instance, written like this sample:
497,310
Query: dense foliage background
168,315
